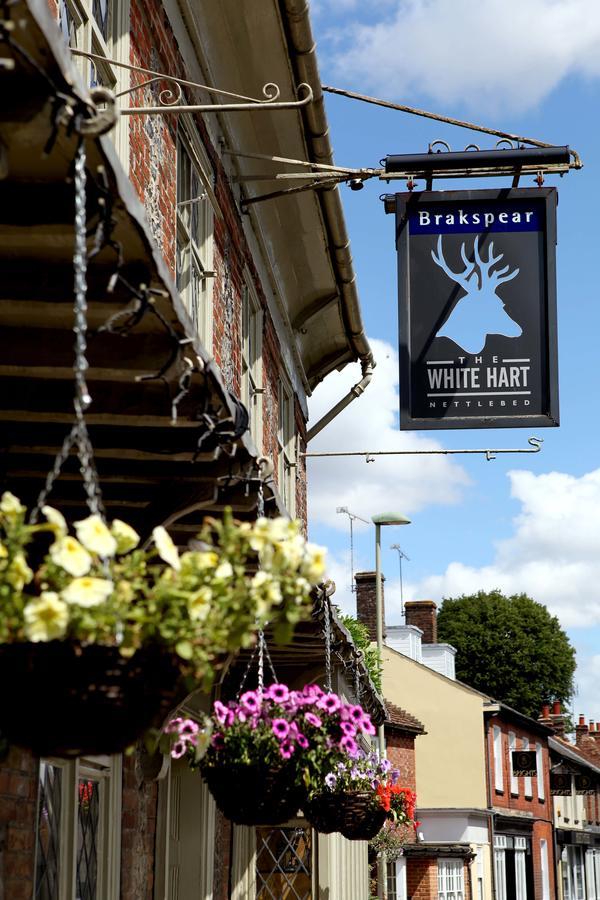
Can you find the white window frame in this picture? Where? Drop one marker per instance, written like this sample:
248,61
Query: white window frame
498,760
539,763
520,856
501,844
195,252
545,870
480,873
527,780
512,745
107,771
286,445
397,888
451,879
252,367
89,38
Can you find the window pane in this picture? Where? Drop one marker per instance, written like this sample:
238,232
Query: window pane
67,23
101,13
88,820
48,833
283,863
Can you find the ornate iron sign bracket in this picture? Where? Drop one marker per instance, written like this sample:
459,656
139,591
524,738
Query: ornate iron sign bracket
169,97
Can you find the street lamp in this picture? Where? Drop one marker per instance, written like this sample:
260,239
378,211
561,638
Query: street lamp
388,518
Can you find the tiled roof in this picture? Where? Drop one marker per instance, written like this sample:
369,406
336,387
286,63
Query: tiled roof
401,720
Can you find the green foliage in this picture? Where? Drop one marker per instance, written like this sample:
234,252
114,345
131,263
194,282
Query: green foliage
509,647
362,641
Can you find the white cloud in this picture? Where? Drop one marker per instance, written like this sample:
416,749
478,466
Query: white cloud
402,483
552,555
499,55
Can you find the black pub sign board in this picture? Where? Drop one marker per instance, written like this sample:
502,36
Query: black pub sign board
477,295
524,763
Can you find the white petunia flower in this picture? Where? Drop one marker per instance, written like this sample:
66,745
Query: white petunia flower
224,571
313,567
71,556
10,505
166,548
46,617
126,537
95,536
56,519
199,604
88,591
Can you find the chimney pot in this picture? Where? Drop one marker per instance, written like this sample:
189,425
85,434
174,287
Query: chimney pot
545,710
592,725
581,719
556,710
423,614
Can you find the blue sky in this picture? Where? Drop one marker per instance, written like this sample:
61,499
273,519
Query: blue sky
521,522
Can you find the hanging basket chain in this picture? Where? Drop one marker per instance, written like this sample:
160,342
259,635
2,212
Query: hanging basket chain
79,433
328,673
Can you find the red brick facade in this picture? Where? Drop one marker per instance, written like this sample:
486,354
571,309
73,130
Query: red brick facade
536,814
421,879
18,795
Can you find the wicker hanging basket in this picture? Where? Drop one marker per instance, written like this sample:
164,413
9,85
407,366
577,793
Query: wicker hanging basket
357,815
66,699
254,795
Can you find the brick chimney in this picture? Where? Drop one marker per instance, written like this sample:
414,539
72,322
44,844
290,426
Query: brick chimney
365,601
581,731
423,614
544,716
557,718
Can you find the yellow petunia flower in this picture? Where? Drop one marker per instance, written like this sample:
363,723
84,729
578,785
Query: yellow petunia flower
166,548
71,556
88,591
46,618
95,536
126,537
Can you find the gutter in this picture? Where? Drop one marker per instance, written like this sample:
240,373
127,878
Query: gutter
296,21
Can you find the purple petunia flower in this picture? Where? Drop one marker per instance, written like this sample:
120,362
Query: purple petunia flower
313,719
348,728
286,749
280,728
395,776
221,712
349,745
330,780
302,741
173,725
250,701
312,690
279,693
178,749
241,716
188,728
385,765
330,703
366,726
294,730
217,741
356,714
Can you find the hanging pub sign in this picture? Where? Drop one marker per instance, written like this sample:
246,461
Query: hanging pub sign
585,784
560,784
477,294
524,763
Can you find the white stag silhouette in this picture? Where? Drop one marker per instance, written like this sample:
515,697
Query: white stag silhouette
481,311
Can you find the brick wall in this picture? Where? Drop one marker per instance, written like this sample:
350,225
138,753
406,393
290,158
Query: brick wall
421,879
138,832
18,800
400,750
223,838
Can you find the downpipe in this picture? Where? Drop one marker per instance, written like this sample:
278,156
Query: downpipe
359,388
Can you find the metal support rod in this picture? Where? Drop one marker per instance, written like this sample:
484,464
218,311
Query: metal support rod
449,120
381,858
473,160
535,442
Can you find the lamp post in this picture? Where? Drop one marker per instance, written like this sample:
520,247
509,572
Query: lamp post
389,518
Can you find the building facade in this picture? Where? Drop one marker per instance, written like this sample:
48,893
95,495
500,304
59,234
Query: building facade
212,316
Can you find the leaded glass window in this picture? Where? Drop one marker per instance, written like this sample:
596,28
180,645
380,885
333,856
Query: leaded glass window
48,832
283,863
88,820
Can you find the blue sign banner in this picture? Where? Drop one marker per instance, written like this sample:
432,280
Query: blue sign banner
476,218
